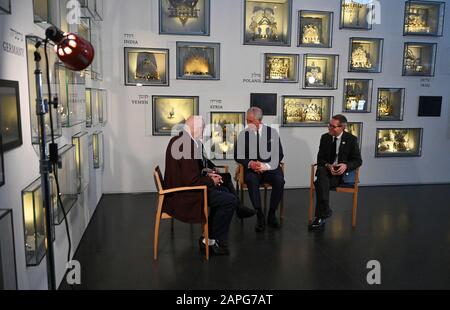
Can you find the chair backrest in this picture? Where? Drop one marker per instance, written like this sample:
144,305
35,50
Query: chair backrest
159,181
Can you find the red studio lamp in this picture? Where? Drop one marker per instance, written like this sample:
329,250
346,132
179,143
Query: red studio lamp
75,52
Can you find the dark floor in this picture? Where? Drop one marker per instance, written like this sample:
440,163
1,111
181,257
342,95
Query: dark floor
406,228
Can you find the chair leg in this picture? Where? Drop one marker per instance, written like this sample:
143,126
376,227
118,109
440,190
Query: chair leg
206,236
282,209
311,204
355,207
265,200
157,222
205,225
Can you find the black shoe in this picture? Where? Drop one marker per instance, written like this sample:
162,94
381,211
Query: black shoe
261,222
273,222
214,250
317,224
244,212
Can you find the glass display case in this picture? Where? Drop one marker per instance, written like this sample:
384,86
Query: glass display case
102,106
88,8
170,111
96,40
92,8
320,71
81,142
355,128
315,28
10,120
399,142
99,10
266,102
34,223
68,179
191,17
305,111
424,18
56,117
225,128
366,55
2,164
267,22
92,107
356,14
198,61
48,12
5,8
71,91
146,67
430,106
419,59
357,96
280,68
390,104
8,270
84,28
98,149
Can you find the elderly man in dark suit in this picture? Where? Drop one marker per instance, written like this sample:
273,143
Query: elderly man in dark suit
184,168
259,150
338,154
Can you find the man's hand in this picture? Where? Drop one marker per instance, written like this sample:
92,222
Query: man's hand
255,166
262,167
340,169
216,178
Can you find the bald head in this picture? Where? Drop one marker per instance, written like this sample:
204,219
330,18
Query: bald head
195,124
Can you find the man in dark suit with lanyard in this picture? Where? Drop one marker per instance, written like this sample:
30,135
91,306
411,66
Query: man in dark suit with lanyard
338,154
259,150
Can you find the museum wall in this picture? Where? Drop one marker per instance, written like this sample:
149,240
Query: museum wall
22,163
132,150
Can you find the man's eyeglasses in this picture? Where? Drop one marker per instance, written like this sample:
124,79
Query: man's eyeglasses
334,126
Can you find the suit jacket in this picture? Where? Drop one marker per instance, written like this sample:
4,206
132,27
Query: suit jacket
185,206
349,152
246,148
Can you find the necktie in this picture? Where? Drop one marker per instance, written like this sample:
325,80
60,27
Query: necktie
333,150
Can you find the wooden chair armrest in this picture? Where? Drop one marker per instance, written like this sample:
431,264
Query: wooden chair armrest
184,189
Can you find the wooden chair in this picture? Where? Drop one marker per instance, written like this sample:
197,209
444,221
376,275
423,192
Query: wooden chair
162,215
241,186
343,188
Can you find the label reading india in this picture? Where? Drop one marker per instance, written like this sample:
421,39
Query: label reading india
142,99
129,39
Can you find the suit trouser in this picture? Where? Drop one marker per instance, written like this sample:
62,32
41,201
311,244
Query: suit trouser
273,177
228,184
324,182
222,205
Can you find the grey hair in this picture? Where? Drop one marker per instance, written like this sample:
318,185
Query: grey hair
257,112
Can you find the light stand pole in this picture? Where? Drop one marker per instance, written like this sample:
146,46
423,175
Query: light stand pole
76,54
45,169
